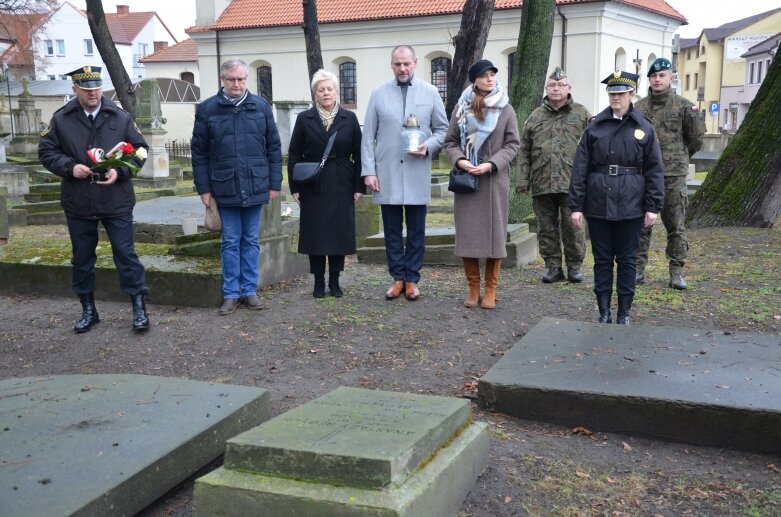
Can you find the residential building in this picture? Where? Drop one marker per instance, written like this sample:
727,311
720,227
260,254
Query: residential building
591,39
758,59
61,41
179,61
712,71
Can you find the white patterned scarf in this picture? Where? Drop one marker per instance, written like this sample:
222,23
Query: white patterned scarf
327,117
474,132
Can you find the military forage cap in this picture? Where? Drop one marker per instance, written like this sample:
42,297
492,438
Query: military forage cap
87,77
659,65
558,74
620,81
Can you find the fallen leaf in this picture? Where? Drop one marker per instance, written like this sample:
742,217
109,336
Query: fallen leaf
611,480
626,446
584,432
508,500
582,474
773,468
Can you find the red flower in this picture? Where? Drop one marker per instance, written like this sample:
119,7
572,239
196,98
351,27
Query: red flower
127,148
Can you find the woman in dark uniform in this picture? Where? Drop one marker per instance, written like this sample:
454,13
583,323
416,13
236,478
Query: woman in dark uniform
327,224
618,184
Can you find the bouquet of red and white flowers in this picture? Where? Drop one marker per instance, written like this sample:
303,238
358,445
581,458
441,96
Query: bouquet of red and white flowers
121,155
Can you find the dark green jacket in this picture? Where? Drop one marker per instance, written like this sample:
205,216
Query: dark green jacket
550,138
679,127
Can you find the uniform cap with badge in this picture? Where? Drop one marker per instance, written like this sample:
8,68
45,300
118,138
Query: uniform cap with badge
87,77
558,74
660,65
620,81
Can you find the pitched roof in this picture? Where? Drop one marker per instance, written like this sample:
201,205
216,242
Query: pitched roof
16,30
243,14
763,47
125,27
186,50
729,28
689,42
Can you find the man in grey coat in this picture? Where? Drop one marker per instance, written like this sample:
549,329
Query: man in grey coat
400,181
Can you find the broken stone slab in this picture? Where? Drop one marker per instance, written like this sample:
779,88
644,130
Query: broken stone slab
112,444
697,386
351,452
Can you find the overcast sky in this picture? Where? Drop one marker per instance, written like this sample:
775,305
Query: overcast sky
706,14
701,14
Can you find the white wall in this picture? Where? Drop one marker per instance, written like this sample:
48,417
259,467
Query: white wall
153,31
173,70
71,26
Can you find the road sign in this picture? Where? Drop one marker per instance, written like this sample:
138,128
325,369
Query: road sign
713,108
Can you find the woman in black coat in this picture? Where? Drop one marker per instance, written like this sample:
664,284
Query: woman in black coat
327,224
618,183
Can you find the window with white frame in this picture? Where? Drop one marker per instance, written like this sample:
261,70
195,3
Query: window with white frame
759,71
49,47
60,47
88,47
751,73
64,77
52,77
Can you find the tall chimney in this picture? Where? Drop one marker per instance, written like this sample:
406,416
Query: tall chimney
123,9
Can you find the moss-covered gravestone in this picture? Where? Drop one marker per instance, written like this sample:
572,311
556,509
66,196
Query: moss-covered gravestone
351,452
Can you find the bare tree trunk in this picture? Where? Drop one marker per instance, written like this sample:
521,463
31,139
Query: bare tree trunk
469,45
531,64
314,56
744,187
108,53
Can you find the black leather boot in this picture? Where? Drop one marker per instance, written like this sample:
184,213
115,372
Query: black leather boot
319,290
140,318
333,285
603,302
89,313
624,304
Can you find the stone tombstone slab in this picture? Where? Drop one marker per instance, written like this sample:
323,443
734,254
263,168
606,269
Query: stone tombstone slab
351,437
111,444
352,452
705,387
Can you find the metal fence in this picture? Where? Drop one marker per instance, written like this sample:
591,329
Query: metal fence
180,151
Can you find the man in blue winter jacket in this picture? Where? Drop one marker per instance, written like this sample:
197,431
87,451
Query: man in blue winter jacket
237,160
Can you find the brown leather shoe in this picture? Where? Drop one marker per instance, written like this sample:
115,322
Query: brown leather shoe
412,292
228,306
395,290
252,302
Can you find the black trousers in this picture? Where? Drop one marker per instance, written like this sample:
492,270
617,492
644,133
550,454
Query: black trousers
615,241
317,264
84,240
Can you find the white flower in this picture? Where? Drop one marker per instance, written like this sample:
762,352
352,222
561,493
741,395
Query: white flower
141,153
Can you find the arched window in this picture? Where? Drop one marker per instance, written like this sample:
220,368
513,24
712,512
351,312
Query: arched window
510,70
187,77
620,61
264,83
440,73
348,91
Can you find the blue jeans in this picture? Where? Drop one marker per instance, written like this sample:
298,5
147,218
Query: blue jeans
240,250
404,264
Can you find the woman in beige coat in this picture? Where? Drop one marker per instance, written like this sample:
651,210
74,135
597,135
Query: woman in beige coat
482,139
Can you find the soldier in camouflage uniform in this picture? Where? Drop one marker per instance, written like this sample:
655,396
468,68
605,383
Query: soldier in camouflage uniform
680,130
550,138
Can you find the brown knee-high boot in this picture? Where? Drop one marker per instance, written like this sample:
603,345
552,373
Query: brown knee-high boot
472,272
492,267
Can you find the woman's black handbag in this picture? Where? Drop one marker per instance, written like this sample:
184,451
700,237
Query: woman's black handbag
310,172
462,182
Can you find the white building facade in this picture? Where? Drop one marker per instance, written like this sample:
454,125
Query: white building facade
591,40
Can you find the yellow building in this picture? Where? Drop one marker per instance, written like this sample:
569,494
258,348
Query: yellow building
711,70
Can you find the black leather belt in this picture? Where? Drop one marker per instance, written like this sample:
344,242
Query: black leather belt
615,170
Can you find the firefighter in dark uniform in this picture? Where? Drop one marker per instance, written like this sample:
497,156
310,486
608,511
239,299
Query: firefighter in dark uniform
105,195
618,185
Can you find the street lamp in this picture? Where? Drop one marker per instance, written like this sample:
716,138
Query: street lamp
8,85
